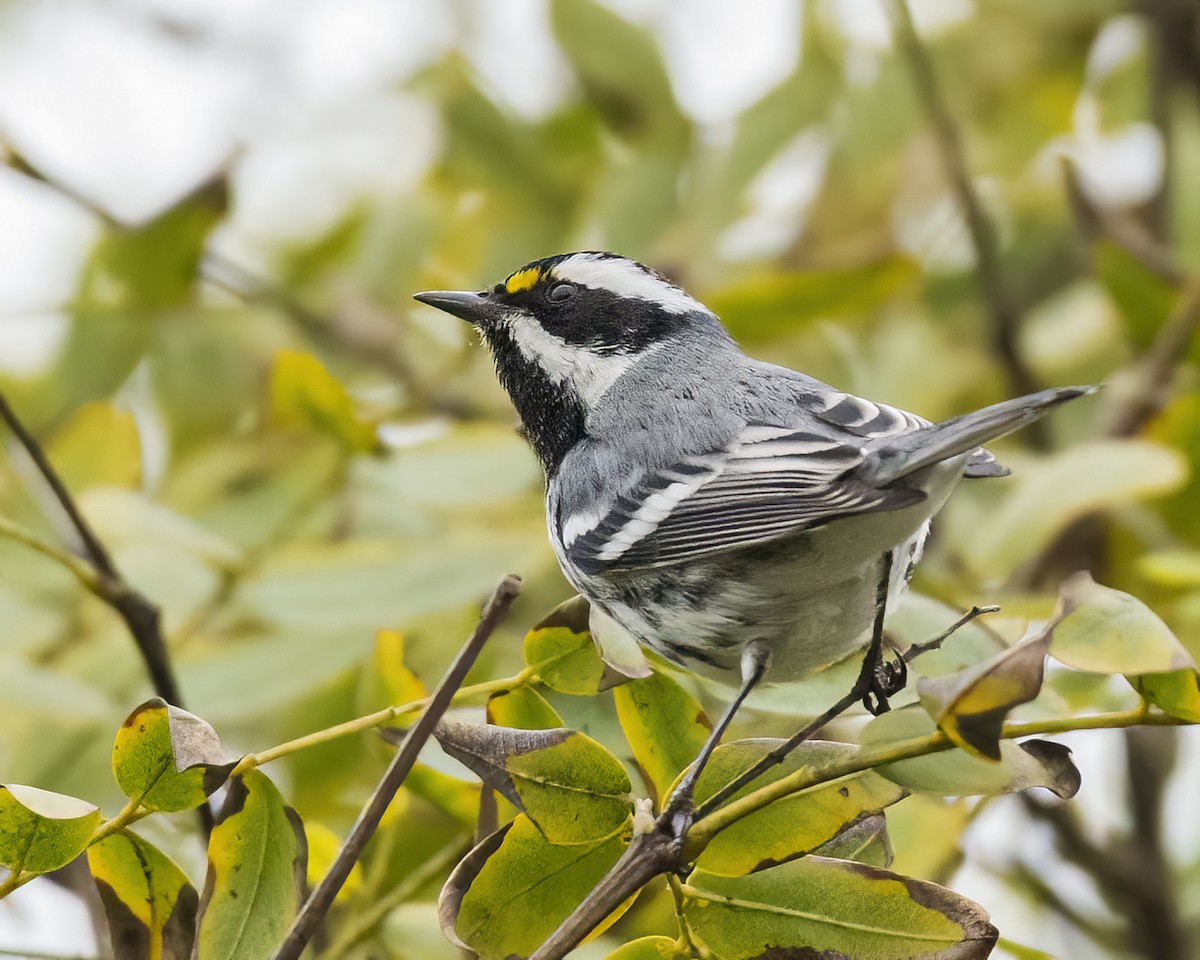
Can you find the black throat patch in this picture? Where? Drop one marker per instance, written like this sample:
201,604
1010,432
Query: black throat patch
551,413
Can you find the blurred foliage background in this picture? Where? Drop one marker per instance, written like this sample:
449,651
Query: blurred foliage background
213,216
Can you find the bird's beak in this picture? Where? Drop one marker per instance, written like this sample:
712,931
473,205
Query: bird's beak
475,308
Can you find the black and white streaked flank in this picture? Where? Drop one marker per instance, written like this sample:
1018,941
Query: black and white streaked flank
703,500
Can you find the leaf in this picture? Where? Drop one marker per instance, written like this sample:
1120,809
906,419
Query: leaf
305,394
523,708
148,901
560,650
256,870
168,759
570,786
82,462
816,907
664,725
651,948
770,304
41,831
1144,298
1176,692
794,825
1171,568
1050,494
322,845
954,773
454,797
386,680
1103,630
970,706
512,891
865,840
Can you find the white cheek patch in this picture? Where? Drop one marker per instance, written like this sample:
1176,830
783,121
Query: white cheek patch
626,279
589,373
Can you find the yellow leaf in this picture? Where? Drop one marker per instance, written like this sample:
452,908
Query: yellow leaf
305,394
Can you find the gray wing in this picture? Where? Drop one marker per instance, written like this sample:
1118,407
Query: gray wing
769,482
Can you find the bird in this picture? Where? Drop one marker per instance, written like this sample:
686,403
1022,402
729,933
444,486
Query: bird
745,521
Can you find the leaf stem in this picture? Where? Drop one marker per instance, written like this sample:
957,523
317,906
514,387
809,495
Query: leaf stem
370,721
703,831
83,572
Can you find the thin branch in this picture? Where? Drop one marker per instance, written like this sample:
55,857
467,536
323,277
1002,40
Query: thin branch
648,856
140,615
318,904
1002,306
80,570
656,852
1152,374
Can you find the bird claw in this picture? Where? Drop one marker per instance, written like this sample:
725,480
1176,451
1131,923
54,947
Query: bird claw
885,680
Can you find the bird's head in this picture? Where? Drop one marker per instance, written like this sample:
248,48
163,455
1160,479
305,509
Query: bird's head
565,329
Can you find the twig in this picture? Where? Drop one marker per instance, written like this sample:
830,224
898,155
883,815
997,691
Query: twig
318,904
649,855
656,852
1153,372
974,613
140,616
1002,307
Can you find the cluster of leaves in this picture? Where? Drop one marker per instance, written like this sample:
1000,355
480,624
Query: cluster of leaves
797,859
244,490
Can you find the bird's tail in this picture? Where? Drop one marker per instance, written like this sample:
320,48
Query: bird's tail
891,458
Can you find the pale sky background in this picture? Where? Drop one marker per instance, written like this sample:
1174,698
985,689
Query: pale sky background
134,102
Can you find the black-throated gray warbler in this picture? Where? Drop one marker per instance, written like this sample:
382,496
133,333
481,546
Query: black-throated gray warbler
729,514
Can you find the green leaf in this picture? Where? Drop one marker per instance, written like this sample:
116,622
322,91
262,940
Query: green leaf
865,841
256,869
1176,692
1144,298
457,798
148,901
1103,630
1050,494
41,831
305,394
833,908
771,304
523,708
651,948
512,891
571,787
664,725
168,759
794,825
561,651
970,706
954,773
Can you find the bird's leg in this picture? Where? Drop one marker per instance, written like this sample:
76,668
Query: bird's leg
679,809
880,679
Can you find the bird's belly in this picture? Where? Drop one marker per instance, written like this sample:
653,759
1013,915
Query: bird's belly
810,598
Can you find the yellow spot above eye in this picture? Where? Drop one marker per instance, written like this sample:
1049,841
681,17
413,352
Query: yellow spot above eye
523,280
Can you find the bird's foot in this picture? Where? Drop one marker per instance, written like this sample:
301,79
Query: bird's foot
879,681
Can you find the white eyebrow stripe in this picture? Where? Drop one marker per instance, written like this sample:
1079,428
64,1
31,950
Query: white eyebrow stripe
626,279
